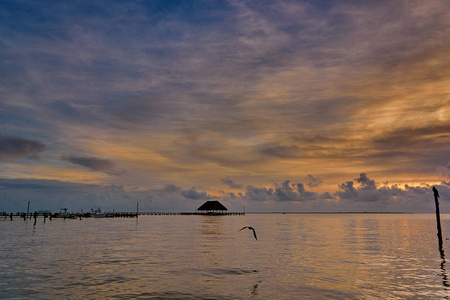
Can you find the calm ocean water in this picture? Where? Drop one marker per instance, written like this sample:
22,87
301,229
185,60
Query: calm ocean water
296,256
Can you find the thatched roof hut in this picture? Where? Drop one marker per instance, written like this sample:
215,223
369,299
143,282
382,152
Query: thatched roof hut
212,206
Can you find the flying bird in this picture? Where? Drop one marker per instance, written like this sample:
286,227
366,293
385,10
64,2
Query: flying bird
251,228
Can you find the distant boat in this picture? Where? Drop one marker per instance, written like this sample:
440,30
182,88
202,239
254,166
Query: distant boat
64,214
99,214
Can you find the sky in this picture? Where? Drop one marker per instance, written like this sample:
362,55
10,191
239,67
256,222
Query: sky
318,106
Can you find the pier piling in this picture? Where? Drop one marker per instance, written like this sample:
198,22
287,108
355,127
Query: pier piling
438,217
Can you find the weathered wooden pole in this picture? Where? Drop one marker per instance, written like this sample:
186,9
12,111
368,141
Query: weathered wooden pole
438,217
137,209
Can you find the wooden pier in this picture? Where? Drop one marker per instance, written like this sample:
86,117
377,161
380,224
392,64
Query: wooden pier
193,213
50,216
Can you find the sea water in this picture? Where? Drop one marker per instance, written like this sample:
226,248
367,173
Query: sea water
296,256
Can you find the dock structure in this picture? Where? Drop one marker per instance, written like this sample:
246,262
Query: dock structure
65,215
209,208
197,213
212,208
50,216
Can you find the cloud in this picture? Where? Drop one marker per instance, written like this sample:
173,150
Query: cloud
193,194
258,194
366,191
445,172
16,147
313,181
366,183
352,196
231,183
284,192
360,194
171,188
349,192
382,197
308,195
280,151
54,194
93,163
398,143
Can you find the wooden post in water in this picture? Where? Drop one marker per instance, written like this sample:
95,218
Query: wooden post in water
438,217
137,209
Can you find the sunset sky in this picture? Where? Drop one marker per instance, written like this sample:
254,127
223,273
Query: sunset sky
272,105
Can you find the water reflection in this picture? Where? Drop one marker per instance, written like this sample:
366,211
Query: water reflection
212,225
205,257
445,280
254,290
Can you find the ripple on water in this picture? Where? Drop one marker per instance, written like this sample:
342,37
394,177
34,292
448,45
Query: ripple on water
173,295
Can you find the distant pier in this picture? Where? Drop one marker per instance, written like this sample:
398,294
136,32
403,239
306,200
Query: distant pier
65,215
193,213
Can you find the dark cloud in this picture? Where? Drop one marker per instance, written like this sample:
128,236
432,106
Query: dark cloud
15,147
285,192
313,181
54,194
41,184
349,191
280,151
368,192
326,196
308,195
405,138
333,145
419,190
366,183
232,195
193,194
426,145
258,194
353,196
171,188
93,163
231,183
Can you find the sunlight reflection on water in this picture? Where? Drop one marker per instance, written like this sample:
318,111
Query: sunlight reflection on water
307,256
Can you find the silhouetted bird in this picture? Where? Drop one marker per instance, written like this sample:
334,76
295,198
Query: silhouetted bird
435,191
251,228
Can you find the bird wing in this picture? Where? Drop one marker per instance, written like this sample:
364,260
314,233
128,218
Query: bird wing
254,234
243,228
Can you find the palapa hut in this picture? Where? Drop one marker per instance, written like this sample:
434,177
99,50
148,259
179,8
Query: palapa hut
212,207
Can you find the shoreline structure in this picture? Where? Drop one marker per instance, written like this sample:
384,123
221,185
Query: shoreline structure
29,216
